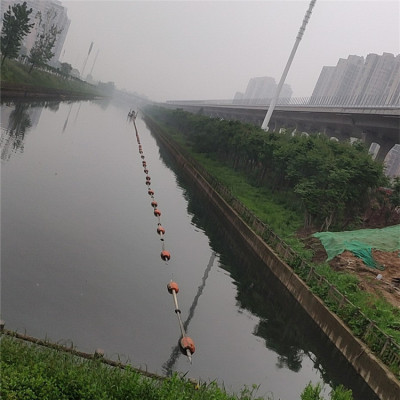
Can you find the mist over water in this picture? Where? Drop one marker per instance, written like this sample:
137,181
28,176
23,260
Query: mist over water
81,259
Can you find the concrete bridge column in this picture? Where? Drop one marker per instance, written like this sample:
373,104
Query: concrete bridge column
368,138
386,146
335,132
274,125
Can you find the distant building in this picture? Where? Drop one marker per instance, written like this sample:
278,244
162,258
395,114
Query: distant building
260,91
354,81
61,20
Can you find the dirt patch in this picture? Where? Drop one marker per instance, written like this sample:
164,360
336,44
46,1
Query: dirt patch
385,283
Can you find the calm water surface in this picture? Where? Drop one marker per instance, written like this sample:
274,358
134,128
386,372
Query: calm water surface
81,259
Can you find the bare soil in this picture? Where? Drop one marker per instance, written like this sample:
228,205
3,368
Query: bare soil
385,283
380,283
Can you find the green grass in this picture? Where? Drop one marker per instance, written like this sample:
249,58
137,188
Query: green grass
34,372
377,309
30,371
13,72
276,211
285,223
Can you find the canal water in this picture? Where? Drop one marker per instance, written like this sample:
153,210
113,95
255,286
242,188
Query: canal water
81,259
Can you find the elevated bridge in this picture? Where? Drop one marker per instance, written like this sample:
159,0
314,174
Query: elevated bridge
371,124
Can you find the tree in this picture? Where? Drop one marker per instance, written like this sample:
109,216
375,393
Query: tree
15,27
46,37
66,68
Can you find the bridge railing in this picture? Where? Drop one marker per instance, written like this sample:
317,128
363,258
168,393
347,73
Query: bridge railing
377,101
383,345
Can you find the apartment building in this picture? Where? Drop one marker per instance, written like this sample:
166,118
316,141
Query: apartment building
372,81
61,19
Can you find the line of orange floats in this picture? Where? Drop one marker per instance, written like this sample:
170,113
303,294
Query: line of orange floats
186,344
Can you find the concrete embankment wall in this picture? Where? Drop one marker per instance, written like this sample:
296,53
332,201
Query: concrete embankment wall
373,371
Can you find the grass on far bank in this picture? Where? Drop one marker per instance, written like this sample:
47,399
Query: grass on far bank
14,72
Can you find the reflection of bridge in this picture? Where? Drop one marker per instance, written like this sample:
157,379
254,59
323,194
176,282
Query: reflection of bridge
371,124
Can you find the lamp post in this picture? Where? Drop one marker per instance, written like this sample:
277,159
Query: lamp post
286,70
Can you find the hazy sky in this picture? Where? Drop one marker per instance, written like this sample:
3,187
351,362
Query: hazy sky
170,50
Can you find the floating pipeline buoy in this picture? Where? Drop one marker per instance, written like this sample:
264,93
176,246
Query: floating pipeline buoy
172,286
165,255
186,344
146,171
160,230
154,204
150,192
157,212
142,157
148,183
148,178
144,163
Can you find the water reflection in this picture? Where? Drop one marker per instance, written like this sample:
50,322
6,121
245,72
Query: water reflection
284,326
66,120
176,352
19,116
12,137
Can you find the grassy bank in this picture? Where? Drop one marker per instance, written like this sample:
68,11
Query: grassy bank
15,74
35,372
275,209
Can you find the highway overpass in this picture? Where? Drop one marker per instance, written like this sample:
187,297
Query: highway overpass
379,125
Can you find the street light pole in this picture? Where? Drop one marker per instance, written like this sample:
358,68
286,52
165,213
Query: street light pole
286,70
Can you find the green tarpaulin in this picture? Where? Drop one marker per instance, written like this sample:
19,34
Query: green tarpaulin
361,242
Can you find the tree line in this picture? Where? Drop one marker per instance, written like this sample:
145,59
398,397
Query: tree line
18,23
331,182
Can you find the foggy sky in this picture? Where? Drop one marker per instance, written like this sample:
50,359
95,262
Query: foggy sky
171,50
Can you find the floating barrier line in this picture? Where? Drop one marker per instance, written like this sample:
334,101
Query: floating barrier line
167,366
186,343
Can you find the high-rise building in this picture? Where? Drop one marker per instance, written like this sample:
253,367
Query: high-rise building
260,90
353,81
61,20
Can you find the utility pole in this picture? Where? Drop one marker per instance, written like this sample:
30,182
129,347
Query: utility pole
84,65
286,70
94,62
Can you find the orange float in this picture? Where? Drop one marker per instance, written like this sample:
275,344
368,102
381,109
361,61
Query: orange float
173,286
165,255
187,343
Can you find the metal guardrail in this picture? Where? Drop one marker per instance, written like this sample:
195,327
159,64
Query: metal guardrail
378,101
383,345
